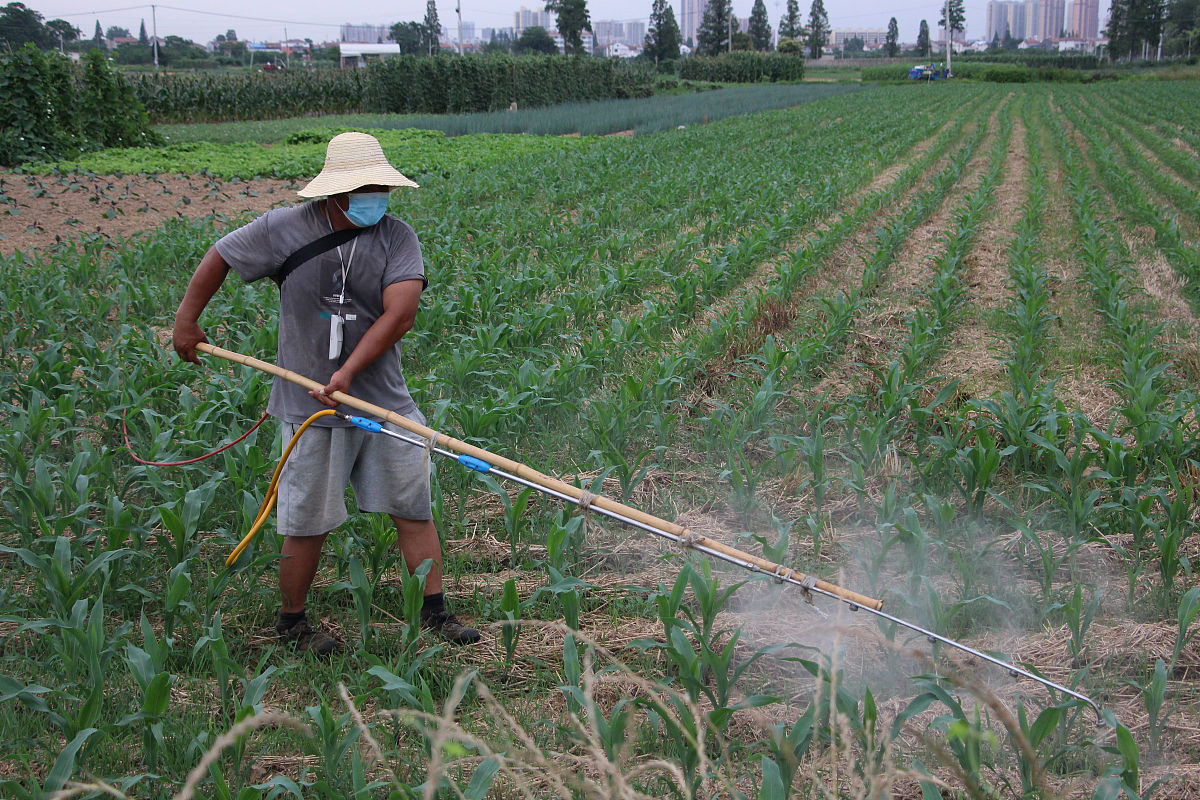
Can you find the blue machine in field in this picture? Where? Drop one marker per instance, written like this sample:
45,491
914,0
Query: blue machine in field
928,72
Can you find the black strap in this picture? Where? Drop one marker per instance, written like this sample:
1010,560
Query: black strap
314,249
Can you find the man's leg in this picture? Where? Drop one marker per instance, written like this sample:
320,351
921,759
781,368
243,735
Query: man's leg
418,540
297,568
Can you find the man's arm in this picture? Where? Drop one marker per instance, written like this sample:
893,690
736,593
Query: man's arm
400,302
206,280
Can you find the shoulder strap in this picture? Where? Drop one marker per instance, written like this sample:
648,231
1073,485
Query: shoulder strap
314,249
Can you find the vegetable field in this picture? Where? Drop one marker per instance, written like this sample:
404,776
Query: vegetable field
937,344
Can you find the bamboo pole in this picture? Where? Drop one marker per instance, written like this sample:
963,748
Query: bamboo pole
532,475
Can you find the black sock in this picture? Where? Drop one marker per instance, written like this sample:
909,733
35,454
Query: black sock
287,620
433,604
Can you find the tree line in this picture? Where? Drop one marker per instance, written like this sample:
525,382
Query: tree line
1145,29
1137,29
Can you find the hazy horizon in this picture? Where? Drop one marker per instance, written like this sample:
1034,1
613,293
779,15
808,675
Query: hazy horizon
319,21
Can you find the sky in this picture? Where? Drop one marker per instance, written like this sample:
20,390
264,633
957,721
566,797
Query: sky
320,20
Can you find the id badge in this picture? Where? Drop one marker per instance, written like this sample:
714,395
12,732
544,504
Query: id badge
336,323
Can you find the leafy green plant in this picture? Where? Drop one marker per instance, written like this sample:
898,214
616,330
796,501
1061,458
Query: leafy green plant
510,608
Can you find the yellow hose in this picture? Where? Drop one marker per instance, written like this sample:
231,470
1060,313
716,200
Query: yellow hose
268,502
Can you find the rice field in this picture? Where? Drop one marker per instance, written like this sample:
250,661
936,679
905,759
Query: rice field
936,344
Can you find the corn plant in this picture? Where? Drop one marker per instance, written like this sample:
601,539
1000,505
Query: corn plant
1189,607
362,592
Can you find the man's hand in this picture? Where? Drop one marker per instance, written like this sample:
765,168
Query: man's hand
186,336
338,382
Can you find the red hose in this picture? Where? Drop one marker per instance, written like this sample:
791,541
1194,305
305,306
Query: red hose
129,447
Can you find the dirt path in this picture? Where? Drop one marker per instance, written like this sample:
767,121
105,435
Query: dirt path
1082,381
36,211
977,343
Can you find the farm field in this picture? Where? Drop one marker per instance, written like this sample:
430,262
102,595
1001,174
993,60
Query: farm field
936,344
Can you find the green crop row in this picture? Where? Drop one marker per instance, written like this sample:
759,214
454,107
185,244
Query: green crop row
416,152
53,108
742,68
403,84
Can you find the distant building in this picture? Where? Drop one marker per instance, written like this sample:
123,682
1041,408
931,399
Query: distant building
365,33
1041,20
532,18
449,32
1083,19
691,12
1049,19
618,50
609,31
589,43
357,54
1006,19
869,36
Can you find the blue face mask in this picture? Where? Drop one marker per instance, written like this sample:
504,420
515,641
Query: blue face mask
367,208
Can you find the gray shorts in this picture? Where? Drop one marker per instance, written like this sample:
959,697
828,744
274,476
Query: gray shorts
388,476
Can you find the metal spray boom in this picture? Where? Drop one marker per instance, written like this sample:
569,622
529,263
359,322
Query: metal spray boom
485,462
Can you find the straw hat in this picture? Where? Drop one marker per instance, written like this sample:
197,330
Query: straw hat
352,160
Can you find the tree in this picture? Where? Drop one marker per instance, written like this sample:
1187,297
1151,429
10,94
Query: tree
1009,42
760,29
410,37
143,39
891,45
115,32
663,40
923,48
573,20
433,27
713,35
1134,27
958,16
535,39
790,47
98,36
62,31
1183,26
19,25
500,43
789,26
818,28
854,45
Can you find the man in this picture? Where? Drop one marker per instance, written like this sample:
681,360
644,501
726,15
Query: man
342,314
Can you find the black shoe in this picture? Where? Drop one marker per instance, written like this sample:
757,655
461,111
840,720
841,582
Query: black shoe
449,628
304,638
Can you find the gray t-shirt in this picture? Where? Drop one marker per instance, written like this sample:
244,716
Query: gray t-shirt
384,254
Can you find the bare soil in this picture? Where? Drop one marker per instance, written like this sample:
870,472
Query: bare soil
37,211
